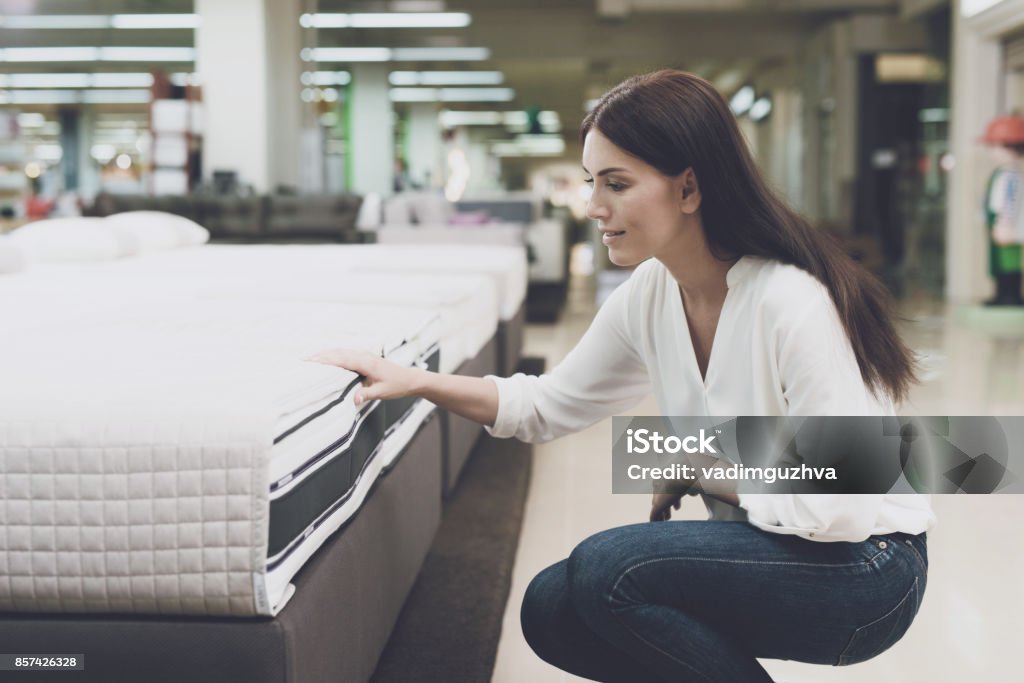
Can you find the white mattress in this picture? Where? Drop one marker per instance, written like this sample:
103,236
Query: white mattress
467,303
506,266
139,447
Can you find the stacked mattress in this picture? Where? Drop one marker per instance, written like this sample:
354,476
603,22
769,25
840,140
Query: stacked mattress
182,457
164,446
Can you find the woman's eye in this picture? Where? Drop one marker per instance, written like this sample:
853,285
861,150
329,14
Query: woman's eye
616,187
588,181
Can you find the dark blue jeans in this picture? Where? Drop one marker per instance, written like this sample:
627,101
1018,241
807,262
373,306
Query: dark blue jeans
699,601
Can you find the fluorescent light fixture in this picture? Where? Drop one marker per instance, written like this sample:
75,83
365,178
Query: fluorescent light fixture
49,54
135,21
31,120
451,119
386,20
147,54
54,21
49,80
324,78
415,95
97,54
411,78
122,80
78,96
346,54
452,94
463,54
32,22
760,109
397,54
117,96
477,94
530,145
410,20
77,80
448,118
742,100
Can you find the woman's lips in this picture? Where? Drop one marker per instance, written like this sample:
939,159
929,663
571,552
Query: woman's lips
612,236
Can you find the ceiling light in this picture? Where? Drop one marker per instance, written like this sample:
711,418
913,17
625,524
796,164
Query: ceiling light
49,80
530,145
122,80
326,78
32,22
414,54
78,96
54,21
742,100
136,21
409,78
397,54
760,109
147,54
451,119
49,54
452,94
346,54
410,20
448,118
386,20
78,80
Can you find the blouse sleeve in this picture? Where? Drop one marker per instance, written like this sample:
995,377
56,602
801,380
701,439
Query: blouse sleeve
820,376
602,376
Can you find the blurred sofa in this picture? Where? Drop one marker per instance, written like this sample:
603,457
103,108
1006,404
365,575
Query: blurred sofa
257,218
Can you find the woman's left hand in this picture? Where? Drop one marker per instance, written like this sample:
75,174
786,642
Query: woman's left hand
662,504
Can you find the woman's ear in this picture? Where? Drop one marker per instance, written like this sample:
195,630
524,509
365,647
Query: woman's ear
689,192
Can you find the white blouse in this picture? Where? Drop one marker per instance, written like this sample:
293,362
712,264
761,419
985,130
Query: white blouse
779,349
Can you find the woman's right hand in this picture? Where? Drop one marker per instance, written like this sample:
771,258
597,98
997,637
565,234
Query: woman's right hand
382,378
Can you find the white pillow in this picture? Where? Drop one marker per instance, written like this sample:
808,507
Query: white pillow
12,259
67,239
145,231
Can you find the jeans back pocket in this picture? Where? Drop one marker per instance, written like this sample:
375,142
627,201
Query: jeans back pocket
878,636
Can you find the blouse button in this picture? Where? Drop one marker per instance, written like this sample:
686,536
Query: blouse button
883,545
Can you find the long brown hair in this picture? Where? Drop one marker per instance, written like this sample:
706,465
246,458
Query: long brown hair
673,120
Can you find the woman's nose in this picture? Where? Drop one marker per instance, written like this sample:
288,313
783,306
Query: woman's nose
595,209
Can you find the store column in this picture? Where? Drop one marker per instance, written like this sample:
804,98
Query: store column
425,146
247,57
975,100
372,135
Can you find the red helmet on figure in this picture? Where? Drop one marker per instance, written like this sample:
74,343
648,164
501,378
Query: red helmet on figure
1004,130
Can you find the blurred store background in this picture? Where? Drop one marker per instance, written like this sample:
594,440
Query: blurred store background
864,113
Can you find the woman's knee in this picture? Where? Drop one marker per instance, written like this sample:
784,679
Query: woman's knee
544,604
594,568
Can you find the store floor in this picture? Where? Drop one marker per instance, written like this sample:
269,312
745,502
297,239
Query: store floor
970,622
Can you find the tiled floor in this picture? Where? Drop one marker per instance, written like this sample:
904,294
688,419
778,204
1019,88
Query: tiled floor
970,625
